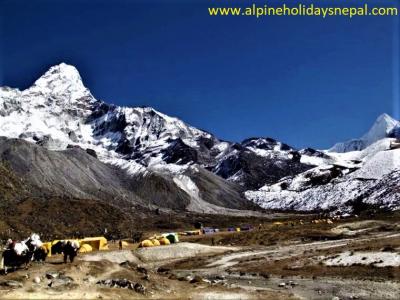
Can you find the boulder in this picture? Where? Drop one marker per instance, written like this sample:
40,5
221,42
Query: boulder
61,281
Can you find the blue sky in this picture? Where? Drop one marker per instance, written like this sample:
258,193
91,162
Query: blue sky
303,80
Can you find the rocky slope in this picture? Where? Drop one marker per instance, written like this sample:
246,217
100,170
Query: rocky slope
73,173
257,161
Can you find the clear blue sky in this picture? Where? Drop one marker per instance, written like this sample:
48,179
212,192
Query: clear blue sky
303,80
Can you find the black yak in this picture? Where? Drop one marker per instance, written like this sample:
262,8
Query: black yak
14,260
21,253
68,248
40,254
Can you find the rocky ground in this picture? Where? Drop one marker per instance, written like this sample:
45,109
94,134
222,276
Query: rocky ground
293,259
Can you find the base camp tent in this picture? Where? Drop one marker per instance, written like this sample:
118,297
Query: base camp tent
146,243
97,243
155,242
164,241
85,248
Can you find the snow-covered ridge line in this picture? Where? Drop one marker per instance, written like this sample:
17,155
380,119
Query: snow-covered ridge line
58,112
371,176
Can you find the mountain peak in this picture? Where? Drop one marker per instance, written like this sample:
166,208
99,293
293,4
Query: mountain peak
385,119
61,80
61,71
380,129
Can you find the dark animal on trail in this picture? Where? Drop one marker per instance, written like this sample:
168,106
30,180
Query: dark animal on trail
21,253
40,254
68,248
13,260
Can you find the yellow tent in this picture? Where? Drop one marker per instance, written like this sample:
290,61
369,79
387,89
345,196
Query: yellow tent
164,241
155,242
47,246
97,243
85,248
146,243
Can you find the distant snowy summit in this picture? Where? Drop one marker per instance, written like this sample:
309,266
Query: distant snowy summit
354,176
384,126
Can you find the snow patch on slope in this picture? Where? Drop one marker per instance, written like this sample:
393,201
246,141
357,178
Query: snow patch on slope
196,203
378,259
379,165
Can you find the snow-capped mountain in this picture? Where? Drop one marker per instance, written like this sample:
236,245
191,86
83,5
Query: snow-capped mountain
382,127
344,182
257,161
59,112
168,163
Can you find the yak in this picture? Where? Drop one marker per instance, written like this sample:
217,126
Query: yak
40,254
68,248
12,258
21,253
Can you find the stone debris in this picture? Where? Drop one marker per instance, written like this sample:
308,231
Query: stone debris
60,281
52,275
124,284
265,275
196,279
292,283
89,279
127,264
11,283
185,278
141,270
163,270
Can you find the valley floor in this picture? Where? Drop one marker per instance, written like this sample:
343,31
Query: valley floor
292,259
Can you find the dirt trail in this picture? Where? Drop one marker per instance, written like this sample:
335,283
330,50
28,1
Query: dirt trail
280,252
323,288
230,260
303,288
